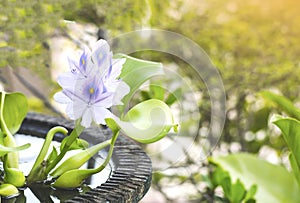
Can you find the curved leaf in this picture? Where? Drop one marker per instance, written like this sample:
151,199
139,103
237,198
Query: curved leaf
14,110
77,144
7,190
173,96
238,192
290,129
4,150
77,160
14,176
52,155
283,103
147,122
136,71
251,194
274,183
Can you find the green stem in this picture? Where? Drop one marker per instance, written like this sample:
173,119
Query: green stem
37,171
72,137
47,143
110,152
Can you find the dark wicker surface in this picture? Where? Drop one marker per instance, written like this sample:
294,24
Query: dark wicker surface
131,175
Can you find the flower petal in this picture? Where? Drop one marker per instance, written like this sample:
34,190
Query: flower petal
87,118
67,80
84,60
121,90
101,55
78,109
93,85
117,65
105,100
61,98
73,66
70,111
100,114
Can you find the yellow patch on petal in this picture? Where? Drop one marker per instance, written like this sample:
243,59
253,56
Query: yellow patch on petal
92,90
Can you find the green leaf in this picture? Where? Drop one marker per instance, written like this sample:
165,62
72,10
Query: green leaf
218,175
1,137
147,122
73,178
112,125
14,110
145,95
52,155
14,176
135,72
283,103
77,160
77,144
238,192
295,167
261,118
275,183
174,96
7,190
235,192
251,194
290,129
157,91
4,150
226,186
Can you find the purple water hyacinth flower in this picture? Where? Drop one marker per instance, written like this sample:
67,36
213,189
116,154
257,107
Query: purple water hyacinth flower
92,85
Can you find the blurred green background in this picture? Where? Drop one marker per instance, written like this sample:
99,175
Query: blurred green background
254,44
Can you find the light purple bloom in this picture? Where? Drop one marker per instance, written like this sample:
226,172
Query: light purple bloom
92,85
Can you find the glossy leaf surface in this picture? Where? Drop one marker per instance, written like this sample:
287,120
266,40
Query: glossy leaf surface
147,122
290,129
274,183
136,71
14,110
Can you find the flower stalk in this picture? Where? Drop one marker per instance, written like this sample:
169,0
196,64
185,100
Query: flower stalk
72,137
74,178
38,171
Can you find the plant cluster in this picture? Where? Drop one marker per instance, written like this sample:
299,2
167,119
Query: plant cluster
97,82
